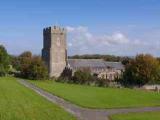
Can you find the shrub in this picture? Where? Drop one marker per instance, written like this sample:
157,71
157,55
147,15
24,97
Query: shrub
82,77
102,82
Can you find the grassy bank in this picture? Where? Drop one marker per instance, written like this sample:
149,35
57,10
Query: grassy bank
137,116
94,97
20,103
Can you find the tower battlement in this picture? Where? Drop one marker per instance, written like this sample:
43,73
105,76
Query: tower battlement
54,29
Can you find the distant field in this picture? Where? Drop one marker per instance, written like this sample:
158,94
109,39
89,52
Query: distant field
20,103
94,97
137,116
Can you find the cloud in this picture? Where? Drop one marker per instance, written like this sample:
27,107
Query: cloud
82,36
82,41
115,39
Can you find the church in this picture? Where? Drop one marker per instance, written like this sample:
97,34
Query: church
54,54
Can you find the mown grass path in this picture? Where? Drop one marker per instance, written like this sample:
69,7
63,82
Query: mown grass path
84,113
20,103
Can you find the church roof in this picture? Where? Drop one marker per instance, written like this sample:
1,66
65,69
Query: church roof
117,65
94,63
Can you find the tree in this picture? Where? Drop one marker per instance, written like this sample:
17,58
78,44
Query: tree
37,69
141,70
25,60
30,67
98,56
15,62
4,61
158,59
126,60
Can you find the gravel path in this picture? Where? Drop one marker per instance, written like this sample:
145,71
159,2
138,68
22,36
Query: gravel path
84,113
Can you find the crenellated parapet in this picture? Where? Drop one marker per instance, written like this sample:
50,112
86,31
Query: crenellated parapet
54,29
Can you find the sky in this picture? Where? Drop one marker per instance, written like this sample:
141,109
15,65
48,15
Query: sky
116,27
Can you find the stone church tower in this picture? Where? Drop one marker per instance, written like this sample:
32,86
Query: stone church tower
54,52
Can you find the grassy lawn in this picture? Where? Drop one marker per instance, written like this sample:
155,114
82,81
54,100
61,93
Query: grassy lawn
137,116
95,97
20,103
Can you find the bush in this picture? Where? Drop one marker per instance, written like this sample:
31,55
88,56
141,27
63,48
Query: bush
102,82
82,77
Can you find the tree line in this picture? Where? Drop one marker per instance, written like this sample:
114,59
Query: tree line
112,58
25,65
140,70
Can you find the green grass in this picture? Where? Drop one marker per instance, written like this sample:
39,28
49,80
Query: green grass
95,97
20,103
137,116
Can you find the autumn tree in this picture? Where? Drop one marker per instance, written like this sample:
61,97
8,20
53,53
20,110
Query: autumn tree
141,70
30,67
37,69
25,60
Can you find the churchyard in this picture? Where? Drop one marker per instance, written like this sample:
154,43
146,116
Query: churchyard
20,103
97,97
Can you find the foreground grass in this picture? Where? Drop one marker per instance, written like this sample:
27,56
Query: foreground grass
20,103
95,97
137,116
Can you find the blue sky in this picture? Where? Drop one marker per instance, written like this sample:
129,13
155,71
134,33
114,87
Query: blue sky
119,27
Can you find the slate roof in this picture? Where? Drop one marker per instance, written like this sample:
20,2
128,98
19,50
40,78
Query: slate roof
117,65
93,63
